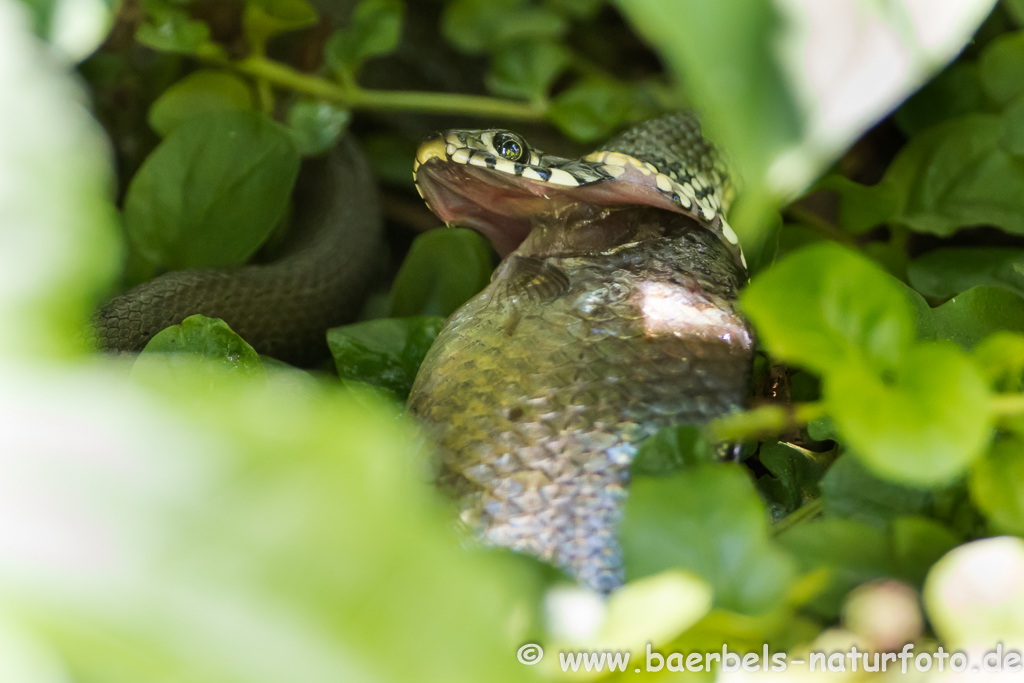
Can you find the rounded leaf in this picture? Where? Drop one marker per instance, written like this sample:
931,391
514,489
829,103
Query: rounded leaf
924,429
824,307
198,93
212,191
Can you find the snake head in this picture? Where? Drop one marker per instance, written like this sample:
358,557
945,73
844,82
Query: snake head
495,181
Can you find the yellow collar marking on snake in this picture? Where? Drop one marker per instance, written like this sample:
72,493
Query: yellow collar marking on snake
696,191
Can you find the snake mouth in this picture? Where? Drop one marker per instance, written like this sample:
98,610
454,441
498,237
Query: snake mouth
503,206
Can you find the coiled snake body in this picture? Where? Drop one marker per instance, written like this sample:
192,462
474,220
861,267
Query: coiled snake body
611,317
281,308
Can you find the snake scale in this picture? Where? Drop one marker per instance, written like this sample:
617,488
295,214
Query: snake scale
611,317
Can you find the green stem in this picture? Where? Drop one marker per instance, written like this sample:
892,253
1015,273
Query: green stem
819,224
354,97
801,514
763,422
1007,404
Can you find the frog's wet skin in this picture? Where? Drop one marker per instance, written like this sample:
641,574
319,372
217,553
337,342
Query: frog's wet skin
611,316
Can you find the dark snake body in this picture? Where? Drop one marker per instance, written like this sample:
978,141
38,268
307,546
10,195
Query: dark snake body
604,326
282,308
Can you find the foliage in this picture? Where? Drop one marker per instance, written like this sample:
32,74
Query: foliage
255,521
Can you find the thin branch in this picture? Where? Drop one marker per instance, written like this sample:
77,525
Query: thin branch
353,97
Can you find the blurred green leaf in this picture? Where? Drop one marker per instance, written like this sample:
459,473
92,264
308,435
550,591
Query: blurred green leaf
1001,67
955,91
956,175
825,307
708,520
672,449
968,318
997,486
861,207
443,270
486,25
578,9
944,273
198,93
391,158
317,126
208,338
75,29
926,427
850,491
386,353
590,110
1015,8
212,191
917,544
173,31
58,225
264,19
1000,357
526,70
726,55
1012,139
374,30
794,474
852,553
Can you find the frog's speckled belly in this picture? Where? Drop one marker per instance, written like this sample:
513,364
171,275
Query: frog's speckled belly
538,402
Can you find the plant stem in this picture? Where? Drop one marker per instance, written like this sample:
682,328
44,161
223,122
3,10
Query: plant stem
820,225
1008,404
765,421
801,514
354,97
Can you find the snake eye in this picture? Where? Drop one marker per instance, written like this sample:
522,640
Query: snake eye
509,145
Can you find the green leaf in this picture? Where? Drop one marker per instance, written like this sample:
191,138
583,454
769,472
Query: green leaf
200,337
590,110
955,91
997,486
317,126
1000,357
710,521
851,552
861,207
1015,8
794,474
58,225
526,70
212,191
1012,139
672,449
850,491
825,307
968,318
173,31
386,353
1002,67
725,55
956,175
923,429
476,26
390,157
917,544
198,93
443,270
374,30
577,9
944,273
264,19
